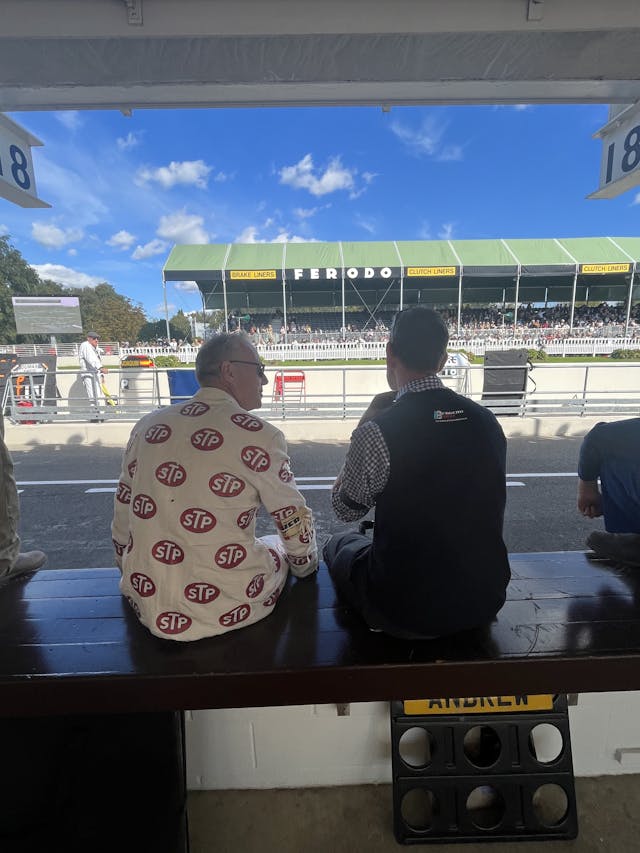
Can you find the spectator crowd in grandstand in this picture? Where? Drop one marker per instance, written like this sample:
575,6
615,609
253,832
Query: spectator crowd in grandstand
550,323
541,323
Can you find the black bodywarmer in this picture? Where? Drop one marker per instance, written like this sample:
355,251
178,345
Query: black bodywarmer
438,562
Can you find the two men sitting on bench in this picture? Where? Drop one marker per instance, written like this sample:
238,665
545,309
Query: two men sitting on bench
431,461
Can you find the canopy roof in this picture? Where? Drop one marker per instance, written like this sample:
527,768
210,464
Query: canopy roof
428,270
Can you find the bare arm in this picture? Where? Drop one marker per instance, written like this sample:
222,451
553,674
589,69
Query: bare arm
589,498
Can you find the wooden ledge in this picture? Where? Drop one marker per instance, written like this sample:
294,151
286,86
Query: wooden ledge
70,643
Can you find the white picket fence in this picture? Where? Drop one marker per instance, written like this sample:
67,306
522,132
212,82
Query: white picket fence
353,349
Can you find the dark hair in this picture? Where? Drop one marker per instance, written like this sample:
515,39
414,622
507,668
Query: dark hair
217,349
419,338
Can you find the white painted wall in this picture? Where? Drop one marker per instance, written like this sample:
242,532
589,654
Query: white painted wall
310,745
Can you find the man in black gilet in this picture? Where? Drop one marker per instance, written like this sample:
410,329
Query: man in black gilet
433,464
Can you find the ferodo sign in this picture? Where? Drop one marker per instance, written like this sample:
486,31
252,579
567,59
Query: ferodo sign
480,705
335,273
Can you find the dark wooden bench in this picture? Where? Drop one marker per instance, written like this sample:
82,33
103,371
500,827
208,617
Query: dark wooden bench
102,767
70,644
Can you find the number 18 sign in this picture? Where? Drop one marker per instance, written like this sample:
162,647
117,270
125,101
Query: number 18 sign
620,164
17,181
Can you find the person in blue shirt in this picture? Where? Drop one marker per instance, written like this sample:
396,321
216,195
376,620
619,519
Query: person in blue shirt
610,453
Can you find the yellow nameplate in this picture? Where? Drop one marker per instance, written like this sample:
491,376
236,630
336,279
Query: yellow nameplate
244,274
423,272
480,704
600,269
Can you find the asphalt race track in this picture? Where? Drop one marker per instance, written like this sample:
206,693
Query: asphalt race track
67,492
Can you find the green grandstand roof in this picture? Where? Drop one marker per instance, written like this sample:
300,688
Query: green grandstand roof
256,269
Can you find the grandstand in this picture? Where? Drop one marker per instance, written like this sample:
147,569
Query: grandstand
498,287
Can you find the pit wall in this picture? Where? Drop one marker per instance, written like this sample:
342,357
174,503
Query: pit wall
322,384
311,745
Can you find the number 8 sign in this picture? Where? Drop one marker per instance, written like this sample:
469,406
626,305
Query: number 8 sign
17,181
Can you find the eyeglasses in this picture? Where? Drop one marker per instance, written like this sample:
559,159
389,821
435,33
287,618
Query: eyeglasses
259,366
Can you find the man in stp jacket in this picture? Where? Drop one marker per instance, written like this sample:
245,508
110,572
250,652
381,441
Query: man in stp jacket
193,478
433,464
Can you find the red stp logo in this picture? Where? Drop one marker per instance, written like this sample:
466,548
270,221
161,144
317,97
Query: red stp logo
245,518
157,434
282,514
269,602
299,561
132,467
142,584
255,587
246,421
285,473
230,556
123,493
173,622
238,614
207,438
226,485
167,552
276,558
192,410
201,593
255,458
171,474
197,520
144,506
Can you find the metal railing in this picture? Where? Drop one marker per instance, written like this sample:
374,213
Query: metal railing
339,392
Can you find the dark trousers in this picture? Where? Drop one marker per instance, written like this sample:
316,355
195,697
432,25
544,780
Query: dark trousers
346,556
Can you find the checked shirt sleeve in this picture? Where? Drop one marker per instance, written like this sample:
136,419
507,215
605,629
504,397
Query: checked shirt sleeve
364,474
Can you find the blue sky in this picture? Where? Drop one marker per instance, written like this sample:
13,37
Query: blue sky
124,190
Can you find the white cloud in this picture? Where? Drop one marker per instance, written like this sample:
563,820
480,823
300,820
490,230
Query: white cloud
221,177
450,153
190,172
427,140
121,240
186,286
303,176
131,140
305,212
424,232
70,119
53,237
4,229
66,276
159,310
182,227
78,193
367,224
72,252
636,199
154,247
446,231
250,235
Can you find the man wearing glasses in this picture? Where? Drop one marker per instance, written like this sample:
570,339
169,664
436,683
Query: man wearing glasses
193,478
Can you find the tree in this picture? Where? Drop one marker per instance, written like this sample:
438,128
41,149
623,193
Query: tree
157,329
17,278
180,322
113,316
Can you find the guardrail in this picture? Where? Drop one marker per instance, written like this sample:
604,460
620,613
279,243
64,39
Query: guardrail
339,392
